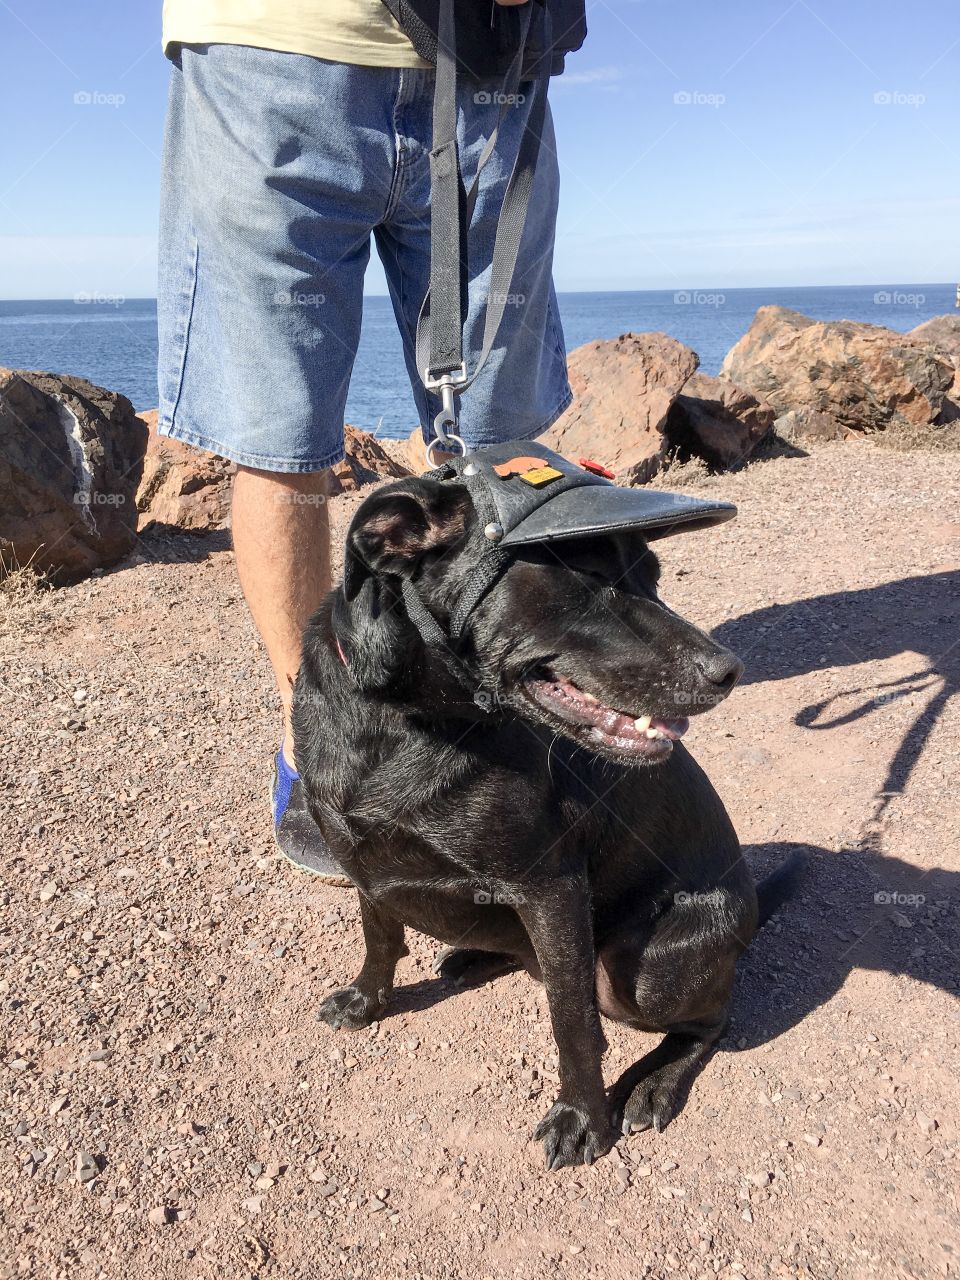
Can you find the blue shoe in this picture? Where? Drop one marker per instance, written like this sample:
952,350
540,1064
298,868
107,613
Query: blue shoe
297,835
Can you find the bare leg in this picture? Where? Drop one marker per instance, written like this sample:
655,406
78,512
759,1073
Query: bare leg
281,537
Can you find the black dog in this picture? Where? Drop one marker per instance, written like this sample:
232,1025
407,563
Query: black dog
525,799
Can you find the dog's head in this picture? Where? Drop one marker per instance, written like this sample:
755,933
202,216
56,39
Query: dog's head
572,635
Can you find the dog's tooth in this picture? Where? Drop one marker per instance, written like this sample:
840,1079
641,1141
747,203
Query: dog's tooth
642,724
654,733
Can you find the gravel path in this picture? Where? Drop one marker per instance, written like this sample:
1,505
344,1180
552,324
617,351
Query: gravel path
169,1105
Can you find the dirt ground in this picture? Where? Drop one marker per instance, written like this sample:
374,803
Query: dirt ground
171,1107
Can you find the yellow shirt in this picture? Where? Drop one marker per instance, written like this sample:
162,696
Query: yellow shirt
362,32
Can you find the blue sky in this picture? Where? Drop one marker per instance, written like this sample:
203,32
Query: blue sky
753,142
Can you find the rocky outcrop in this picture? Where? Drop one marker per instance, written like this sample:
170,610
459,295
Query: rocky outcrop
623,391
862,376
809,424
717,421
190,489
943,334
182,486
70,461
366,461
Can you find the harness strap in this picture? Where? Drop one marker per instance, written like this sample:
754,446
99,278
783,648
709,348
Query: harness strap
430,629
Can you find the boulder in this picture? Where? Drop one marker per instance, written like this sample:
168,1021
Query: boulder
862,375
942,333
809,424
623,391
181,485
717,421
191,489
71,455
412,451
366,461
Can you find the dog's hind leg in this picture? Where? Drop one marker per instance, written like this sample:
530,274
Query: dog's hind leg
651,1092
466,967
366,998
679,980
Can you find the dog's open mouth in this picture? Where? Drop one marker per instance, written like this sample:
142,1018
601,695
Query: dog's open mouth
601,726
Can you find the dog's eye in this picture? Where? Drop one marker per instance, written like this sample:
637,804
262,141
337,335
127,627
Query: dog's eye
596,576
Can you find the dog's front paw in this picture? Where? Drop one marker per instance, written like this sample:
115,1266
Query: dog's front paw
571,1136
349,1007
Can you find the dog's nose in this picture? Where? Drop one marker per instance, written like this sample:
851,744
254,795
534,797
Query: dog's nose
721,667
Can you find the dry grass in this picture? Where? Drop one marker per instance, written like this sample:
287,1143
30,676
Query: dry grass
19,583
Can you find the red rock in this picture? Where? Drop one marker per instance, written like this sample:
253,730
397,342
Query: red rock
718,421
191,489
183,486
943,334
810,424
71,455
623,391
366,461
863,376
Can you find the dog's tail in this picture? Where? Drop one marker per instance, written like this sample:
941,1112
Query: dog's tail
774,890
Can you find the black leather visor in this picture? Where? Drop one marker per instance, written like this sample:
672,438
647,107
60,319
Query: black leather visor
540,496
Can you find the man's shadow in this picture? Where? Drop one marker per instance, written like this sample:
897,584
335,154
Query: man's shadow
846,628
861,907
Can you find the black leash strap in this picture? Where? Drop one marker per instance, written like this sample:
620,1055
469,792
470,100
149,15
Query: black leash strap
440,326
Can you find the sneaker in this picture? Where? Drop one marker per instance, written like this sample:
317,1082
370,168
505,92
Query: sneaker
297,835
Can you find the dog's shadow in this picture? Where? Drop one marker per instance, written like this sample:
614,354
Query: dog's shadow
856,909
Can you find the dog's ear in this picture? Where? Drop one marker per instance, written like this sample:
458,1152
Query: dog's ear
388,537
397,525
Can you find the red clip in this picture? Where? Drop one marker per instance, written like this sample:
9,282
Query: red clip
588,464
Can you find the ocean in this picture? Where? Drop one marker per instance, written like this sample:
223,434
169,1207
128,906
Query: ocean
113,342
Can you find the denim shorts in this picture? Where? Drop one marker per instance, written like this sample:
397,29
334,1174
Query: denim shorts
277,168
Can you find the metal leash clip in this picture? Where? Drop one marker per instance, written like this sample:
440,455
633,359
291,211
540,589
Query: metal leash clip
447,385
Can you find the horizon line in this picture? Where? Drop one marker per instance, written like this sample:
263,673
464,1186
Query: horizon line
113,299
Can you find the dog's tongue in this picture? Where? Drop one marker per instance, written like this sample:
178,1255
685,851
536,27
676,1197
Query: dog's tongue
584,708
671,728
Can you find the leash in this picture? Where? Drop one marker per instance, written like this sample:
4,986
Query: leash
439,340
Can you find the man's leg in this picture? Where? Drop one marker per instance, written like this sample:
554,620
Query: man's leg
281,537
276,168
